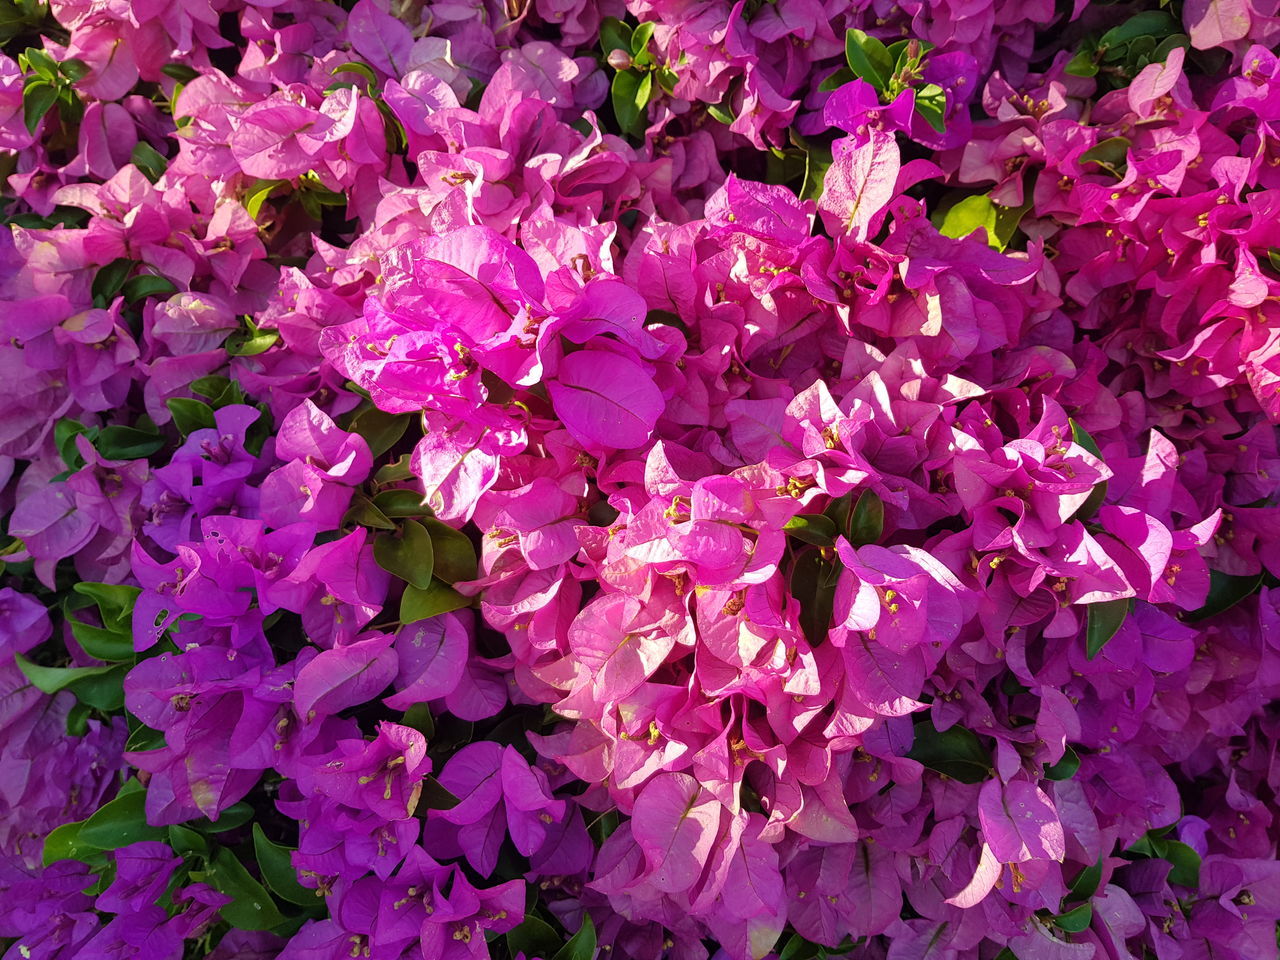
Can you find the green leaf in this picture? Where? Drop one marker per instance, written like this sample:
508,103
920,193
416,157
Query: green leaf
180,72
64,843
358,68
436,599
435,796
869,59
1065,768
1098,495
631,92
236,815
813,584
381,430
109,279
258,193
396,472
931,103
251,907
250,341
115,601
1148,23
100,687
812,528
102,644
74,69
409,556
970,214
534,938
721,112
1186,862
582,946
147,285
149,160
41,63
1085,885
121,822
65,432
190,415
1077,920
798,948
278,871
419,718
955,752
363,512
38,98
1084,63
187,842
127,443
455,555
866,520
1111,154
835,82
401,503
1103,620
78,719
143,738
219,391
640,54
1225,591
614,35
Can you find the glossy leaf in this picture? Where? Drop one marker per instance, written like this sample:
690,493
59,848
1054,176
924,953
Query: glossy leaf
1102,621
437,598
278,872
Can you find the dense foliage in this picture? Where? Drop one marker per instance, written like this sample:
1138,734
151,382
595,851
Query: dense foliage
566,479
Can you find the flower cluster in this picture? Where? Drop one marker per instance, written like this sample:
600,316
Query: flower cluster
640,479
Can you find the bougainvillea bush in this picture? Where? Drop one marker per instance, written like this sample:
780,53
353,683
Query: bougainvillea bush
569,479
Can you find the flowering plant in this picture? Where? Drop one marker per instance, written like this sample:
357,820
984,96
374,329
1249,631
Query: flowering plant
563,480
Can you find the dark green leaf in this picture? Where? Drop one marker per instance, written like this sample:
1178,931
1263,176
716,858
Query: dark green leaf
119,823
187,842
78,719
630,93
180,72
1103,620
436,599
955,752
798,948
866,520
1098,495
837,80
614,35
251,907
65,432
434,796
1065,768
149,160
1153,23
582,946
813,584
236,815
408,556
1086,882
401,503
109,279
1074,921
1186,862
147,285
143,738
101,644
363,512
1225,591
812,528
190,415
219,391
127,443
43,65
381,431
38,98
278,872
534,938
419,718
396,472
455,555
869,59
1112,154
